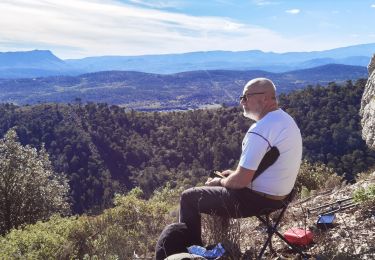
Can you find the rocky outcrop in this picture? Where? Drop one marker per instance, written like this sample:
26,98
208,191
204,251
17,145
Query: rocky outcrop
351,237
368,107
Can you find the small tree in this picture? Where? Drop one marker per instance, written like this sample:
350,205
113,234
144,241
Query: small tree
29,188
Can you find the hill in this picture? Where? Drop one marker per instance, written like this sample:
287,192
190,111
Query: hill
225,60
39,63
105,149
152,92
30,59
29,64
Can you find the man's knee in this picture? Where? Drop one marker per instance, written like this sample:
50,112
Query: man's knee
188,195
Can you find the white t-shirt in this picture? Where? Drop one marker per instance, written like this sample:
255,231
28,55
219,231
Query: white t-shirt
281,131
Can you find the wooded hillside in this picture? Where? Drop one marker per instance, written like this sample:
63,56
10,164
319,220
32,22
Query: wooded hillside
104,149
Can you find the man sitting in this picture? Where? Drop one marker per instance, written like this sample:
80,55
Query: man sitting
237,195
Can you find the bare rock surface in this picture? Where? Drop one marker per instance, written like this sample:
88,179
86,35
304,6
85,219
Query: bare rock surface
368,107
353,233
351,237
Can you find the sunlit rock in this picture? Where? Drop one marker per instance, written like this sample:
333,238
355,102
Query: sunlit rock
368,107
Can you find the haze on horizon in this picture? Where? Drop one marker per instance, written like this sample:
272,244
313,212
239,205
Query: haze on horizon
82,28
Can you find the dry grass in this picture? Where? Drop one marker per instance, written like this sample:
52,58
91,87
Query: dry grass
222,230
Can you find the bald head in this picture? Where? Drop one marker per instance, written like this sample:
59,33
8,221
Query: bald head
260,85
259,98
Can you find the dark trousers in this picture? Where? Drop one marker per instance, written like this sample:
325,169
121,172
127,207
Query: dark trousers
220,201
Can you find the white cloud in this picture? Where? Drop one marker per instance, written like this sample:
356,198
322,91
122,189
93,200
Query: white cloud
293,11
373,5
158,4
263,2
81,28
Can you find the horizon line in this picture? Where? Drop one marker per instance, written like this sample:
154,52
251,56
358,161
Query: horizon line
183,53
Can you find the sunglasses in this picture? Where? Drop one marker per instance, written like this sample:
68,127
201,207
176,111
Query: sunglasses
245,97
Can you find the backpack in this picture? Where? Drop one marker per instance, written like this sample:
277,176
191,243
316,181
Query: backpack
174,238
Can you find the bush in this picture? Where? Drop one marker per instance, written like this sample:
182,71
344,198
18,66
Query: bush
133,225
43,240
30,189
316,176
363,195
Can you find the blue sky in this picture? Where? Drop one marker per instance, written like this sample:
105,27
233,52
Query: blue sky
82,28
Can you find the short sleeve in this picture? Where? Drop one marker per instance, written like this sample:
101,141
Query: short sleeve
254,148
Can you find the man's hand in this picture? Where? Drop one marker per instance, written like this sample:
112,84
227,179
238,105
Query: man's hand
213,181
226,173
222,174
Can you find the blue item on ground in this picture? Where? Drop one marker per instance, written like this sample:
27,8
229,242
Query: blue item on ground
214,253
326,221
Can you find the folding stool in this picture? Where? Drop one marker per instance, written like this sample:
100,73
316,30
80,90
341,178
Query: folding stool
271,228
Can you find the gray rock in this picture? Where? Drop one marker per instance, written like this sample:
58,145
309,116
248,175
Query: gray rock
368,107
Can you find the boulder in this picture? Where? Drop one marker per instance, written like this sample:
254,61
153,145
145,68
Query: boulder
368,107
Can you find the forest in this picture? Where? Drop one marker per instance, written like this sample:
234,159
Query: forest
104,149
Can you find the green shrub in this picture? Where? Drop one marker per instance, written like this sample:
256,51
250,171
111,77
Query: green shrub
43,240
133,225
169,196
363,195
316,176
30,189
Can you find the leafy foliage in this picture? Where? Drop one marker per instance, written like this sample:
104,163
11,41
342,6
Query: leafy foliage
330,123
316,176
42,240
132,225
365,195
29,188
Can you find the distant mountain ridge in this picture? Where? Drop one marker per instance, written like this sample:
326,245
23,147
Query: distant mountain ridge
39,59
242,60
148,91
39,63
36,63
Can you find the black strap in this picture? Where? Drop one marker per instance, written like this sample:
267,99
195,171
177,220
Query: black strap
268,159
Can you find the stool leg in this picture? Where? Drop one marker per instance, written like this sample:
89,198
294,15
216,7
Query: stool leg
269,239
264,247
271,233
